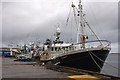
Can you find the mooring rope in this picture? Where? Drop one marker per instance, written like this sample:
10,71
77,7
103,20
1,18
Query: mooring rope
96,62
105,62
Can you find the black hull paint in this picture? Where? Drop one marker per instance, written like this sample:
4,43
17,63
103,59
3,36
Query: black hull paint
83,60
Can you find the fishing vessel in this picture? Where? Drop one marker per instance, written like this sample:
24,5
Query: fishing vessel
84,54
5,52
29,51
8,52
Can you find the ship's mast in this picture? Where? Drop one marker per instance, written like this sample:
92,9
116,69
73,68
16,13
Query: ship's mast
82,24
78,29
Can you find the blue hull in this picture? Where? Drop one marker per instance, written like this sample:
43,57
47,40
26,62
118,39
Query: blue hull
5,53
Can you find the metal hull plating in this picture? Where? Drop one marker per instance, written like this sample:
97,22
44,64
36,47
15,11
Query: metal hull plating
83,60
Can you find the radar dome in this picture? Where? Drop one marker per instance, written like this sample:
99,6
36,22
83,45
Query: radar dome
58,30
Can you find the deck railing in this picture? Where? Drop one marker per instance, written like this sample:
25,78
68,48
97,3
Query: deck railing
95,44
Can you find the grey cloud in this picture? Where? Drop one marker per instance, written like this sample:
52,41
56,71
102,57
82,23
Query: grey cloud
22,21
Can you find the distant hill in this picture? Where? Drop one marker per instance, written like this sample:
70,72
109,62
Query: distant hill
114,53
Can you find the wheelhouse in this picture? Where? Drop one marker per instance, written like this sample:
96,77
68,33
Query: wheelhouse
61,47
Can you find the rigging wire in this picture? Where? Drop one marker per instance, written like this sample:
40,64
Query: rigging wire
95,62
87,25
92,31
68,21
71,27
71,39
74,7
95,18
68,16
74,14
84,21
75,18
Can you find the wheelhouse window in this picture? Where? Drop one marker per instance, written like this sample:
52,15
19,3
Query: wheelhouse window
63,48
66,48
55,48
52,49
69,48
59,48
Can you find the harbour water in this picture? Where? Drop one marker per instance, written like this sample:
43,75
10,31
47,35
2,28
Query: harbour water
112,59
30,71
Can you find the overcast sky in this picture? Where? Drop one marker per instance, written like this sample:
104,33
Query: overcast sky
37,19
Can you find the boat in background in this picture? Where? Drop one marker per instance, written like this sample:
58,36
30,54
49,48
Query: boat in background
9,52
29,52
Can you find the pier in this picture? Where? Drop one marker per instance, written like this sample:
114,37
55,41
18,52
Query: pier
32,71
